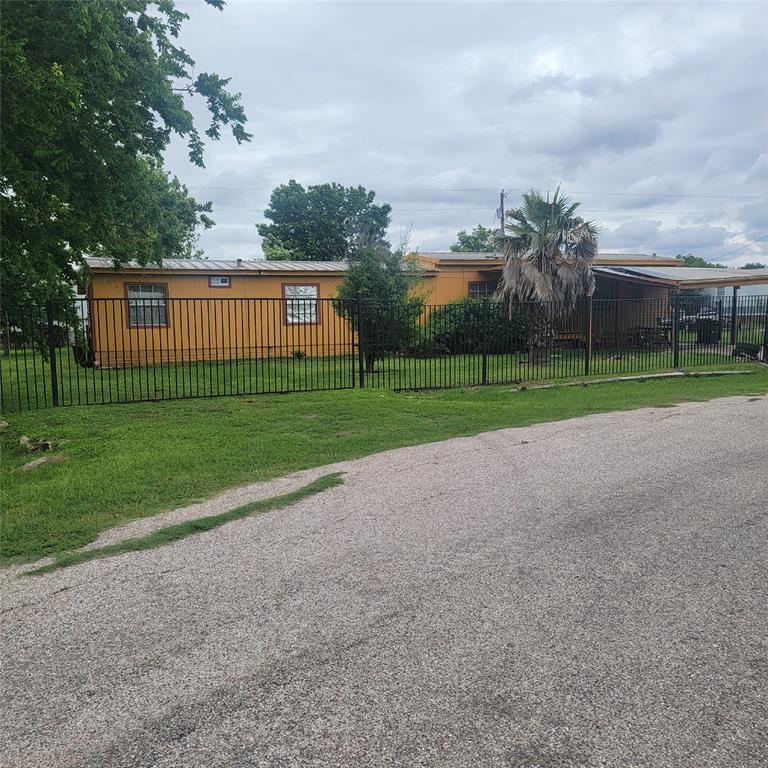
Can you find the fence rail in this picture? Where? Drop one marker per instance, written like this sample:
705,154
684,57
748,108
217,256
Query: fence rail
129,350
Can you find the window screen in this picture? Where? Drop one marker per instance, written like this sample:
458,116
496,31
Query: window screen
147,305
300,303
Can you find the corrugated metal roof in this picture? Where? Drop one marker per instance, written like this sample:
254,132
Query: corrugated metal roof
245,265
683,276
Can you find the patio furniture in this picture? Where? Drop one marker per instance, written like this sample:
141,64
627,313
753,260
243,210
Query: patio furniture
650,337
750,351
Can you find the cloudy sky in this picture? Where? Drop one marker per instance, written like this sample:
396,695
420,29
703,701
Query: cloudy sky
653,115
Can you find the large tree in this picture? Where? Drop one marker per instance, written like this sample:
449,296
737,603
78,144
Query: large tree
92,91
479,240
322,222
548,254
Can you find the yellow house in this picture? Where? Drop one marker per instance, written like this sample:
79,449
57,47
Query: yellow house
191,310
209,310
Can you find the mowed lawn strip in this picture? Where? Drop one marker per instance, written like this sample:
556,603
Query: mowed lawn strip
129,461
172,533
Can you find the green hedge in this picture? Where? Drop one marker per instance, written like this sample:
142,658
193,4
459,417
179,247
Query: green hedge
458,328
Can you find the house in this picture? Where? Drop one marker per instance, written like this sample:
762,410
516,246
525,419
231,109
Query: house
188,308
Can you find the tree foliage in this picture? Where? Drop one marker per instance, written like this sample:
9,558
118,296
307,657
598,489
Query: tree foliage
754,265
479,240
689,260
324,222
548,251
92,91
383,279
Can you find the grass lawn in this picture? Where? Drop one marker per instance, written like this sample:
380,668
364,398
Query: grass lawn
25,377
129,461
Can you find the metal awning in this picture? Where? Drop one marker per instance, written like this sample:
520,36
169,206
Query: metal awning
686,277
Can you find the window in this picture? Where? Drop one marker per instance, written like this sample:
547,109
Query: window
147,305
479,289
300,303
218,281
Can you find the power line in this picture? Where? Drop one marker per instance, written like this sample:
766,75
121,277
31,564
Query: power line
649,211
508,189
736,250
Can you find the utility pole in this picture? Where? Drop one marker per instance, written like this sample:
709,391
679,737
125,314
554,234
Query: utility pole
502,195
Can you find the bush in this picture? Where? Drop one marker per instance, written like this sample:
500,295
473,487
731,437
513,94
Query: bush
458,328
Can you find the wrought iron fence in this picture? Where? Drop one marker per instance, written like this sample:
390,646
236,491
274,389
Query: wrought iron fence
128,350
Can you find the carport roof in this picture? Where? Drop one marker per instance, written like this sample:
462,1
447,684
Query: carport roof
686,277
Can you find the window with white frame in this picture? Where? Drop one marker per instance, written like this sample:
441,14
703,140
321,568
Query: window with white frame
219,281
300,304
147,305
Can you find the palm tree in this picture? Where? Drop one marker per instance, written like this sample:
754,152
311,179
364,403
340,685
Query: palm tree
548,255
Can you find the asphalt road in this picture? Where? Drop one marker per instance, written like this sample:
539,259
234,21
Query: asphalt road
585,593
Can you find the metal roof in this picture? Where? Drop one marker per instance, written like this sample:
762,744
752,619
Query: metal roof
687,276
241,265
497,256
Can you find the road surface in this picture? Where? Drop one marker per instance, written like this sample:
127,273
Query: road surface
586,593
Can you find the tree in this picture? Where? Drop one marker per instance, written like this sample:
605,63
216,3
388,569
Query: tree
479,240
92,91
548,254
322,222
383,279
689,260
753,265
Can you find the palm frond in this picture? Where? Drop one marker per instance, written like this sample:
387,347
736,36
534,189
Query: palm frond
548,251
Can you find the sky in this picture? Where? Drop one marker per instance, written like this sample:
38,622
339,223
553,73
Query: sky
653,115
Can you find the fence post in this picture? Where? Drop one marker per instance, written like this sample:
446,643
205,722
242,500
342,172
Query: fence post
52,353
734,315
676,329
485,340
587,335
360,354
765,332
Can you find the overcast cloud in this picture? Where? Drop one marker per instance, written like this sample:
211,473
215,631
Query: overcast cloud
437,106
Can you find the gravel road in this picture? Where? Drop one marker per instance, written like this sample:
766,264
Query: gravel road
591,592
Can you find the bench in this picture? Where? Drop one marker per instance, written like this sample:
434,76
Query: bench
750,351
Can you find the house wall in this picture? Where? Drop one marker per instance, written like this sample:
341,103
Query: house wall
204,323
452,282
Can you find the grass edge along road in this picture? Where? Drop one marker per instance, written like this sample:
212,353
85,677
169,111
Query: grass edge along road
125,462
172,533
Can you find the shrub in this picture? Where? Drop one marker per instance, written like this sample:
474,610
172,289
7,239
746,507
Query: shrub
458,328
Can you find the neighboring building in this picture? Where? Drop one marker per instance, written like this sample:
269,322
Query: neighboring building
181,310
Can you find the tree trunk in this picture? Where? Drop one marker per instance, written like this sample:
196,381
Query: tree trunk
541,338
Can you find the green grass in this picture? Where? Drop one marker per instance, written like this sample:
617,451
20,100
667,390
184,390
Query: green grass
128,461
25,378
172,533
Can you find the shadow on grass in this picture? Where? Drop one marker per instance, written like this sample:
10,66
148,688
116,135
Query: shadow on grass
182,530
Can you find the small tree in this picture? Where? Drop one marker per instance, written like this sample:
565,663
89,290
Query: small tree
376,299
548,253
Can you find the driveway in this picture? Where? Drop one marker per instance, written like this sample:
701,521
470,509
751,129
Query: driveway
586,593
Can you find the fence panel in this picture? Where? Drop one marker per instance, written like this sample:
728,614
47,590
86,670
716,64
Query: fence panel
129,350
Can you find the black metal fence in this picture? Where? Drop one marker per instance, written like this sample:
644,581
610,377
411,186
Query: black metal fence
128,350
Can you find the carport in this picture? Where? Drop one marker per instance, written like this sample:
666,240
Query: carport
696,312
